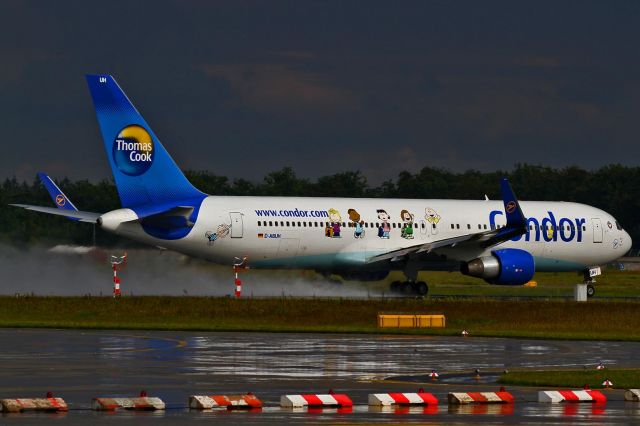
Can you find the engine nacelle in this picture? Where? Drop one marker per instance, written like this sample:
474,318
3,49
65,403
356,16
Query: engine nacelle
505,267
113,219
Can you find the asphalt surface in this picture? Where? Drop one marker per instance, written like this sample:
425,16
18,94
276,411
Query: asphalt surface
79,365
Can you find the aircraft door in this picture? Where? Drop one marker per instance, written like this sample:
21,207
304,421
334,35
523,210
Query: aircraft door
236,224
597,230
423,228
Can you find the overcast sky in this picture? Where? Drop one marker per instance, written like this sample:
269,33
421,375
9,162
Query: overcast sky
245,88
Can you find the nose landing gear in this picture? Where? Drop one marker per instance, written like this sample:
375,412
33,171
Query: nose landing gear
590,279
587,287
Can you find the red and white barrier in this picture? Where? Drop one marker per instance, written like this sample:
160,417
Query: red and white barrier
585,395
143,403
230,402
240,266
632,395
386,399
19,405
501,397
316,400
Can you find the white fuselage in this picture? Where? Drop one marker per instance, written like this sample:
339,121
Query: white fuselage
319,233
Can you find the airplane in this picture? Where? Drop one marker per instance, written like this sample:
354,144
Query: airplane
503,241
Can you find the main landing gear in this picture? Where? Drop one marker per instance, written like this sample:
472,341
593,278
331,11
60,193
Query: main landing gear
419,288
411,286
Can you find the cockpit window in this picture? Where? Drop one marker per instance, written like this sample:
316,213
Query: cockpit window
618,226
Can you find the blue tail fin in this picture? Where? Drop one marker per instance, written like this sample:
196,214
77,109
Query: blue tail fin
59,198
145,174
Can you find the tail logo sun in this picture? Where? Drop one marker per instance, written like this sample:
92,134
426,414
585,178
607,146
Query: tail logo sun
133,150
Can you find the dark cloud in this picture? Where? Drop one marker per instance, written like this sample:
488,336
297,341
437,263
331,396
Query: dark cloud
243,88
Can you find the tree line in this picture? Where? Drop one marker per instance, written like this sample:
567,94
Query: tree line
613,188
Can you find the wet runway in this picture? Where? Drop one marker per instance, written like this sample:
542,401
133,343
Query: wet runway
79,365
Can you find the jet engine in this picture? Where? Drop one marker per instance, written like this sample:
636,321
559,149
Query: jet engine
503,267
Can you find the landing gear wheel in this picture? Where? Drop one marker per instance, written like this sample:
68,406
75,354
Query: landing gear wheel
407,288
395,287
421,288
591,290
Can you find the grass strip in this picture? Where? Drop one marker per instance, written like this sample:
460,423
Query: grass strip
621,378
597,320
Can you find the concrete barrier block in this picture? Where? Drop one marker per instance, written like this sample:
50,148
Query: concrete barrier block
387,399
459,398
19,405
580,395
143,403
550,396
315,400
230,402
456,398
632,395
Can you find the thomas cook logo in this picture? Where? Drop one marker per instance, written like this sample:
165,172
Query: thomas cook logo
60,200
511,207
133,150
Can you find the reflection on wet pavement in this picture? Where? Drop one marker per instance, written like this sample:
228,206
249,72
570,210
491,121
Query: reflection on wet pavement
79,365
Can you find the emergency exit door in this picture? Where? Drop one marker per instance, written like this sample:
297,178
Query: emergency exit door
597,230
236,224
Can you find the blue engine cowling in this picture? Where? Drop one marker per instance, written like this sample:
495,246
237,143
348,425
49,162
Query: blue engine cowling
503,267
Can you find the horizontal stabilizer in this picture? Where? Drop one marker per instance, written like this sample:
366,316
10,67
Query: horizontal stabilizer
59,198
74,214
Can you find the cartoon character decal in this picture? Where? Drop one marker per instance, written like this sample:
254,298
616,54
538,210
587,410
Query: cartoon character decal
407,224
354,217
550,233
221,232
431,215
385,227
332,230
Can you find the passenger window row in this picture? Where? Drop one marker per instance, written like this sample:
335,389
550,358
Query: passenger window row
304,224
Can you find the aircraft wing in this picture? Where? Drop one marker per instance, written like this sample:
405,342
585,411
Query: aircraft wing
74,214
516,225
162,217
